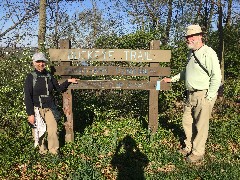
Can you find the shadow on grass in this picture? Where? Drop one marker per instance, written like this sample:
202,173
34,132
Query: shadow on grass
61,137
83,109
176,129
166,123
82,119
128,160
82,115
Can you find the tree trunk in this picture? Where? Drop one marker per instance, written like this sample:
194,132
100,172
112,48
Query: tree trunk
42,25
198,15
210,15
229,13
152,15
221,42
169,22
56,39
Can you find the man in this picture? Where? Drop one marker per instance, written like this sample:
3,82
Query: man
202,77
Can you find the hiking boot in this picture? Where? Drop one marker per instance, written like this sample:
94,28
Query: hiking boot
184,152
43,152
194,158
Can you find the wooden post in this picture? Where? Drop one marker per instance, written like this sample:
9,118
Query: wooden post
153,95
67,98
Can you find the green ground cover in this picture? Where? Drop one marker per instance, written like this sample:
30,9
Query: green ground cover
116,148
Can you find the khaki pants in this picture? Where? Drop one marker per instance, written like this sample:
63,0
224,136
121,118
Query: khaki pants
197,113
52,134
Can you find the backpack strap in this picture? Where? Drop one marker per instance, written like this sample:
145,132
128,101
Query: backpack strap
46,81
35,76
200,63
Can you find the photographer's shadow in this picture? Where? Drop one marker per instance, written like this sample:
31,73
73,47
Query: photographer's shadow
129,161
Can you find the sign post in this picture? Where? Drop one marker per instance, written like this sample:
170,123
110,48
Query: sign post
67,97
153,95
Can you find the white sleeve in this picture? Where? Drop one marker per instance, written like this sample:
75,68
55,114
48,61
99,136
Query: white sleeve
179,77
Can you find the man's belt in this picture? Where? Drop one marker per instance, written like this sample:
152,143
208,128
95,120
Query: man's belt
196,90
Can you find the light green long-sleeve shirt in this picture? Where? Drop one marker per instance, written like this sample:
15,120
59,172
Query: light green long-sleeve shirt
196,78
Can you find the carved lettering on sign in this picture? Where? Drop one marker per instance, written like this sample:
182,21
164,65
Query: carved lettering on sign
117,84
111,70
132,71
136,55
108,55
90,54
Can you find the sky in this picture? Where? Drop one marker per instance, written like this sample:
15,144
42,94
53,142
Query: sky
32,30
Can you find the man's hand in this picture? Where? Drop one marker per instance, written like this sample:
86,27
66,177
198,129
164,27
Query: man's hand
167,80
31,119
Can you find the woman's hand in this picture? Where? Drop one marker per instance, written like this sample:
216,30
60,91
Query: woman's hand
31,119
73,80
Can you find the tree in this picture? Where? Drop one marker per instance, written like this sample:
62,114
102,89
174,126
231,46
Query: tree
150,15
17,21
42,24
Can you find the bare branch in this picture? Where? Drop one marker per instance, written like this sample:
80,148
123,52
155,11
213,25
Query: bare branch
26,17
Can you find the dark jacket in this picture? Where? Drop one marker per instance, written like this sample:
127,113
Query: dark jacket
32,95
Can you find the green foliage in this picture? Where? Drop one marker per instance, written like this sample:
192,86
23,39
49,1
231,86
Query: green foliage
138,40
231,49
13,71
97,153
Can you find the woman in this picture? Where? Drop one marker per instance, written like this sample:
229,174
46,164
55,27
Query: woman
40,104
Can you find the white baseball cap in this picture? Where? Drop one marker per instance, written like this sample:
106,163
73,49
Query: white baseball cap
39,57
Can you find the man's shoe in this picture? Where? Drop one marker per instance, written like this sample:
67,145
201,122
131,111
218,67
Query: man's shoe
194,158
54,151
184,152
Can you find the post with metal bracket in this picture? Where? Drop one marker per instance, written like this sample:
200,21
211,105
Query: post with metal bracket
67,98
153,94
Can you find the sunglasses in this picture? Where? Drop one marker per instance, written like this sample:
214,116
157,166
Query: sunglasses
40,61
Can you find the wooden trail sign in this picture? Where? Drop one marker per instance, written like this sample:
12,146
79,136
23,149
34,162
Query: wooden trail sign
83,58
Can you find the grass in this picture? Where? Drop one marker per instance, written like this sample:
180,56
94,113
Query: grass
120,147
